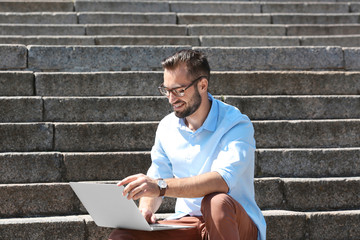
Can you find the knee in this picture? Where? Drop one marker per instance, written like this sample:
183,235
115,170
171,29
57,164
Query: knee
215,203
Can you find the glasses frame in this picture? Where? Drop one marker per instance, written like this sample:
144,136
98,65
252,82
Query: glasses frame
178,93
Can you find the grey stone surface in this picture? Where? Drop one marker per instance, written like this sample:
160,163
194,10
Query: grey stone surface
307,133
306,194
30,167
306,7
48,40
313,163
107,109
26,137
93,231
246,41
39,18
297,107
215,7
322,29
21,109
121,6
315,18
13,57
105,166
16,83
283,225
354,7
269,193
62,228
214,18
137,29
113,18
41,29
78,58
36,6
146,40
104,137
274,58
98,84
344,41
334,225
352,58
236,29
20,200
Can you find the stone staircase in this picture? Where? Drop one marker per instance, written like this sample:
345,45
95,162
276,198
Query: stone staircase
79,102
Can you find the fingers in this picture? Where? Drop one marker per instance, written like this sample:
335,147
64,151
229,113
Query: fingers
138,186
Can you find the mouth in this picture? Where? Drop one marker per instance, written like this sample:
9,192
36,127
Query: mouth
177,106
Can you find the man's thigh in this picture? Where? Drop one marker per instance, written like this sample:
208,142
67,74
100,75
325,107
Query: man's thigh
180,234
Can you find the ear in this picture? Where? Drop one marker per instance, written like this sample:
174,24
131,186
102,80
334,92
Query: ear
203,85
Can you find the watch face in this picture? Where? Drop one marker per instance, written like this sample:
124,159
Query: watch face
162,184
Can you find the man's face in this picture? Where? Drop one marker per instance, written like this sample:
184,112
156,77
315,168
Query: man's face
188,104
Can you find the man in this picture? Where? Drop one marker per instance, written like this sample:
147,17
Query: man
204,156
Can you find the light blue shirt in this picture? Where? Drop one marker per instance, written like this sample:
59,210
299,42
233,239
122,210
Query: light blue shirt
224,143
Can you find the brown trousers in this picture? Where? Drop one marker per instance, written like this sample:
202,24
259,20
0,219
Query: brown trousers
223,218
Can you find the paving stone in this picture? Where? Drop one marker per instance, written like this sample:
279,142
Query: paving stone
246,41
322,29
315,163
146,40
344,41
41,29
322,193
12,57
215,7
105,166
31,167
21,109
236,29
98,84
26,137
39,18
306,7
68,227
36,6
315,18
352,56
37,199
134,18
104,137
121,6
208,18
16,83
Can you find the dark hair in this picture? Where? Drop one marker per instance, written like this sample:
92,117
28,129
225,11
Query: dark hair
196,62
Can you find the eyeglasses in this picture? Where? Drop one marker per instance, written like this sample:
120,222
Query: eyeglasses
178,92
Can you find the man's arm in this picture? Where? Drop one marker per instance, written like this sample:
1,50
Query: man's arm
148,206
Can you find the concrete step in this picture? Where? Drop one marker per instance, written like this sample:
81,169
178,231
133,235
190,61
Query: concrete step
280,226
139,136
115,58
134,18
19,83
40,167
39,18
108,109
295,194
36,6
42,29
146,83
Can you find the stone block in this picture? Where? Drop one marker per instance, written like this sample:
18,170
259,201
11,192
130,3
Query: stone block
334,225
213,18
322,29
21,109
354,7
112,58
104,137
274,58
105,109
306,194
343,41
48,40
16,83
113,18
315,18
105,166
37,6
314,163
39,18
22,137
62,228
40,29
269,193
146,40
30,167
307,133
13,57
297,107
236,29
27,200
283,225
98,84
308,7
121,6
245,41
215,7
352,56
137,29
95,232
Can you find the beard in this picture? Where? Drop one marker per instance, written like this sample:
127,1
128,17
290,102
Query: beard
194,105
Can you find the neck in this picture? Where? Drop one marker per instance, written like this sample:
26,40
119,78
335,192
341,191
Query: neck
196,120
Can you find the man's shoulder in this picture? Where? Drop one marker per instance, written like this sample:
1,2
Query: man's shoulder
230,113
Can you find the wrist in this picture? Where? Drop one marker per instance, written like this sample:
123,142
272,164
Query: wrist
162,186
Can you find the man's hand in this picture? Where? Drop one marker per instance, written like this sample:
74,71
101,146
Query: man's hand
140,185
148,215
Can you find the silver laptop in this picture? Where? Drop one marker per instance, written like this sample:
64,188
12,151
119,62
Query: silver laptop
109,208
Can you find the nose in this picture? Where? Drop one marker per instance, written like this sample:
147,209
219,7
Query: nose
172,98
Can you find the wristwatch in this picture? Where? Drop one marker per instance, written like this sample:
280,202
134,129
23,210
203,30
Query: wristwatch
162,186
